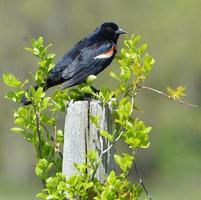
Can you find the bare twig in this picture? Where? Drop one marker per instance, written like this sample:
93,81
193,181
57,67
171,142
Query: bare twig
168,96
111,145
103,152
132,104
138,176
141,181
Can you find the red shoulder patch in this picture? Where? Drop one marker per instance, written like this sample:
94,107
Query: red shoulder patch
108,53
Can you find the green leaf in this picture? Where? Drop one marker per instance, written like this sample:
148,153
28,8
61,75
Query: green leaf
95,120
107,135
81,167
87,89
148,62
41,195
18,130
177,93
111,178
107,194
91,79
11,80
89,185
115,76
92,155
42,168
105,94
124,162
60,137
39,93
52,197
137,134
15,96
143,48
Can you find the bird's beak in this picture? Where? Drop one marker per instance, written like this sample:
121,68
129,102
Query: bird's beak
120,31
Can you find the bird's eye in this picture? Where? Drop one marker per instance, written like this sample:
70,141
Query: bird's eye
109,29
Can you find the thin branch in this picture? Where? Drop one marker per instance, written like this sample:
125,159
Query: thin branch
38,132
168,96
102,128
103,152
47,132
141,181
39,137
51,139
111,145
56,146
138,175
132,104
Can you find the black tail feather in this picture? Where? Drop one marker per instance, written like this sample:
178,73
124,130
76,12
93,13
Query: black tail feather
24,100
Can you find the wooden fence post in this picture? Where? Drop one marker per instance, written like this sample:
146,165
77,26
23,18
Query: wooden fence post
80,136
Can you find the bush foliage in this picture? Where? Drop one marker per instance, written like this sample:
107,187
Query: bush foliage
37,123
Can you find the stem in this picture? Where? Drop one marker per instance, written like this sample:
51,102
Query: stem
141,181
38,131
104,152
56,146
138,175
132,104
39,137
168,96
111,145
47,132
51,139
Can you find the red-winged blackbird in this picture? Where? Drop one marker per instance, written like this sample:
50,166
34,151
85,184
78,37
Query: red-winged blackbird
89,56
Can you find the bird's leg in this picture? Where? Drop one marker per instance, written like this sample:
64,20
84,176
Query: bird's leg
95,90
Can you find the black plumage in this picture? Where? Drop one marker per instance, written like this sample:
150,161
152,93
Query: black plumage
89,56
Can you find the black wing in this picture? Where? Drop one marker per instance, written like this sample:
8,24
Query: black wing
55,77
86,64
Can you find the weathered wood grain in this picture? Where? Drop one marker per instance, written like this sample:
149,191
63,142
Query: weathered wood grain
80,136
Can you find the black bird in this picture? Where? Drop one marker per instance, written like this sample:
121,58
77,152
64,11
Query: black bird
89,56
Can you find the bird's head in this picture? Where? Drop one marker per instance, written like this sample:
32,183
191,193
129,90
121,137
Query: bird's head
111,31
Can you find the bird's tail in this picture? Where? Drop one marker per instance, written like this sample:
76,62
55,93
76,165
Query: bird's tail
26,102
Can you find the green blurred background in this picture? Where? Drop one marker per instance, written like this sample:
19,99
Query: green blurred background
171,167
